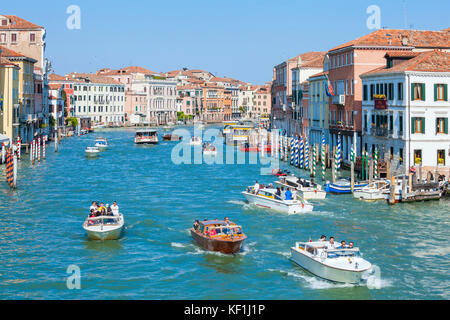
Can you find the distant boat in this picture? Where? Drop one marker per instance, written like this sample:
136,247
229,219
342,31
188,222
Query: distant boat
196,141
146,137
209,149
377,190
216,235
307,189
104,227
101,143
171,137
92,152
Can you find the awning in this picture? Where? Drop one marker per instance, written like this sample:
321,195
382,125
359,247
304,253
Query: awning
3,139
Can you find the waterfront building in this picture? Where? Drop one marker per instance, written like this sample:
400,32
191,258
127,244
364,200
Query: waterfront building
27,116
349,60
9,99
189,99
405,108
28,39
232,86
161,98
286,93
100,98
318,108
56,108
212,102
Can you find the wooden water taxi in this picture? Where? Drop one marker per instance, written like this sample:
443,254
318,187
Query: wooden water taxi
146,137
218,236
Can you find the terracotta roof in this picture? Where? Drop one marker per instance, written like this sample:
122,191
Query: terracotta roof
323,73
393,37
18,23
127,70
55,77
429,61
313,59
54,86
402,54
8,53
92,78
6,62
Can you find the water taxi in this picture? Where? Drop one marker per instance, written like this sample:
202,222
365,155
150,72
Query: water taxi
101,143
104,227
268,198
344,186
146,137
196,141
377,190
92,152
209,149
217,235
337,265
306,189
240,134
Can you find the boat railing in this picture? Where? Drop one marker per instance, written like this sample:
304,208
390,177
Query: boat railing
103,220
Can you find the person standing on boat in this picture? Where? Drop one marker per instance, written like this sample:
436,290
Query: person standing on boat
93,206
288,194
256,188
115,209
331,244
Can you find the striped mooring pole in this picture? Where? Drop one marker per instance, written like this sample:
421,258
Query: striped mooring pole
314,160
302,152
296,151
375,164
324,165
19,145
292,151
39,149
339,153
306,153
44,140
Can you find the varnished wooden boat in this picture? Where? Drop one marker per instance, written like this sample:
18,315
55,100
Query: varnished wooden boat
171,137
216,236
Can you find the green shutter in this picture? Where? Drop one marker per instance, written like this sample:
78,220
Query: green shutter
413,122
422,129
446,125
423,91
412,91
445,92
435,92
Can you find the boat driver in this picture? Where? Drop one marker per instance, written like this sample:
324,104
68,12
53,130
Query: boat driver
331,244
115,208
343,246
288,195
256,188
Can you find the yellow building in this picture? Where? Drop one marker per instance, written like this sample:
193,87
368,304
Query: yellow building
9,98
26,112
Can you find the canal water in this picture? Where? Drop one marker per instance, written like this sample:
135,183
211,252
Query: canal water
41,232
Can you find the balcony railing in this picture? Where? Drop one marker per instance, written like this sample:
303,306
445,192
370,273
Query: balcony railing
338,99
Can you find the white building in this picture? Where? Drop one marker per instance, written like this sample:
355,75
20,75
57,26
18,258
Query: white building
406,110
161,96
100,98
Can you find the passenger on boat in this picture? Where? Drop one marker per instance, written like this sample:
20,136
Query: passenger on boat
102,209
323,238
115,208
343,246
350,245
227,221
109,211
256,187
278,192
93,206
288,195
331,243
196,225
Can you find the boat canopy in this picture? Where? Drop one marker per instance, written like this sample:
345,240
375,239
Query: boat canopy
150,131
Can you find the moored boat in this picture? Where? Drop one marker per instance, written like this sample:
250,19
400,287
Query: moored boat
305,188
377,190
92,152
209,149
171,137
217,235
337,265
104,227
343,185
149,136
268,198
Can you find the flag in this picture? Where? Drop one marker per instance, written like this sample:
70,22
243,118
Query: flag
1,103
329,90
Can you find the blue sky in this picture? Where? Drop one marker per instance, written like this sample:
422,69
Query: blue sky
240,39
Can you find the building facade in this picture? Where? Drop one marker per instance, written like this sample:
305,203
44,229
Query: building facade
9,99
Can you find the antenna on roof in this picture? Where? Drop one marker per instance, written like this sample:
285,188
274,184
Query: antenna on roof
405,15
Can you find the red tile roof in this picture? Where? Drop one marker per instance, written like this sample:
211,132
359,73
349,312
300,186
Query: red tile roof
55,77
394,37
126,70
313,59
323,73
5,52
18,23
429,61
94,78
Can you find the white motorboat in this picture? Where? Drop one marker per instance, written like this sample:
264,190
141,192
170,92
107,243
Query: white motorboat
92,152
101,143
377,190
196,141
146,137
343,185
209,149
305,188
268,198
338,265
104,228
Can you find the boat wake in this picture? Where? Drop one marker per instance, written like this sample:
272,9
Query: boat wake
312,281
237,202
247,248
372,279
177,245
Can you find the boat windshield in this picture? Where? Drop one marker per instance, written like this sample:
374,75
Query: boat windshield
106,220
332,254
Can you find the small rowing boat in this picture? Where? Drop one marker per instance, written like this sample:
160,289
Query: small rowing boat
219,236
343,185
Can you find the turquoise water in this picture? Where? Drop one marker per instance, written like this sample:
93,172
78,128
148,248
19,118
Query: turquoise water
41,233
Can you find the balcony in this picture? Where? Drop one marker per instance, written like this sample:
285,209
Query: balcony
338,100
380,132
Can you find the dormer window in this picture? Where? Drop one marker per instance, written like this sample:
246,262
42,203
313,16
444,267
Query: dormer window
4,22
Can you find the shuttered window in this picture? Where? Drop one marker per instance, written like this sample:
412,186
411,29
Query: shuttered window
418,91
417,125
440,92
442,125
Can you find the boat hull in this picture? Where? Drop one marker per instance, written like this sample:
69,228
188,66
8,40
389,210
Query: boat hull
334,188
273,204
313,194
222,246
92,154
326,272
113,234
141,142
